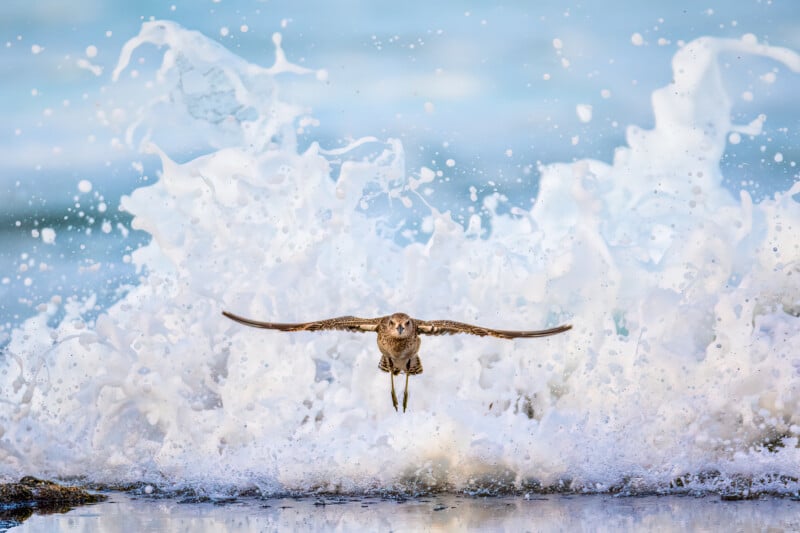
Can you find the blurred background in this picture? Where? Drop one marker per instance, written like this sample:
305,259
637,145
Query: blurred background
480,92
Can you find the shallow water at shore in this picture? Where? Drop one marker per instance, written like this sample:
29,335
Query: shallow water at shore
123,512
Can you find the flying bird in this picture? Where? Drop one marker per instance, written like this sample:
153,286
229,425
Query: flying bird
398,337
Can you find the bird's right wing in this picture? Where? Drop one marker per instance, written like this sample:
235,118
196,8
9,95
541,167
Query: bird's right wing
348,323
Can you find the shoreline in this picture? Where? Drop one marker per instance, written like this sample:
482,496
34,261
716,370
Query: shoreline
127,512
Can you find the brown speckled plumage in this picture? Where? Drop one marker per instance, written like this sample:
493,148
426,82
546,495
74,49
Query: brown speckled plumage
398,337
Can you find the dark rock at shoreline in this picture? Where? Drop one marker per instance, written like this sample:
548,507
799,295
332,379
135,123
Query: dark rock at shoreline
32,492
18,501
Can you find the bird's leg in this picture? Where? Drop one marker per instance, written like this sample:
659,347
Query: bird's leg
405,395
394,396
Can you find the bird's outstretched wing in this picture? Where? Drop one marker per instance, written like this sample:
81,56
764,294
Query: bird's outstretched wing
349,323
449,327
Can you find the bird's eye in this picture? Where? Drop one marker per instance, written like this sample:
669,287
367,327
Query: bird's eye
408,323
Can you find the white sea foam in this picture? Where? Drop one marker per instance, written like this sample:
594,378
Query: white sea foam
685,301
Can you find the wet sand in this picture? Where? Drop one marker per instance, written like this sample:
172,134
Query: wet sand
125,513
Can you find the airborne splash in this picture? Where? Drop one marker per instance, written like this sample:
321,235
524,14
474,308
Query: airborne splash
682,369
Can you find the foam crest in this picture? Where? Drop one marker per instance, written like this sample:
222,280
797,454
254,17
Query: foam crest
685,303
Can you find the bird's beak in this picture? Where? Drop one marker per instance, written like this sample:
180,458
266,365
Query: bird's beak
400,329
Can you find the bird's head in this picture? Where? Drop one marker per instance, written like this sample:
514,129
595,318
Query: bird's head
399,325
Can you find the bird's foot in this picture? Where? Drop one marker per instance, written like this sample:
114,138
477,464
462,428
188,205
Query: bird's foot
394,396
405,394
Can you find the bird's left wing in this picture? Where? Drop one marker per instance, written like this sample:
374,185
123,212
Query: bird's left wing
450,327
349,323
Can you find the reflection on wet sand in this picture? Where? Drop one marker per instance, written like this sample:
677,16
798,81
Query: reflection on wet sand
123,513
